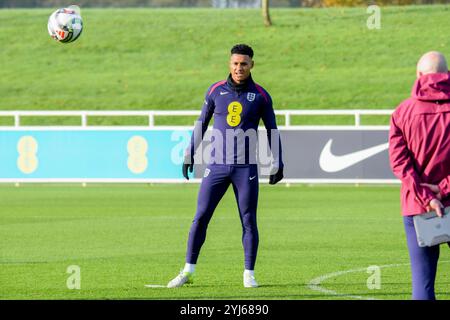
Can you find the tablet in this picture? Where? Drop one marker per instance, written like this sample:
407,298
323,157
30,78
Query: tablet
431,229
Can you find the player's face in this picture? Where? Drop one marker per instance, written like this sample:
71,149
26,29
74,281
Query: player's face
240,66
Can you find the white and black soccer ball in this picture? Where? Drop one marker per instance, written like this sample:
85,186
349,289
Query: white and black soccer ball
65,24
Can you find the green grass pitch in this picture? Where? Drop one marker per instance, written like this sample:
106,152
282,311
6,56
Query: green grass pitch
167,58
123,237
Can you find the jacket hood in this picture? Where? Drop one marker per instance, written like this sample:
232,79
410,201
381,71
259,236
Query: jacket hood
432,87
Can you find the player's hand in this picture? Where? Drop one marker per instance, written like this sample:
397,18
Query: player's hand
434,188
276,177
437,206
188,165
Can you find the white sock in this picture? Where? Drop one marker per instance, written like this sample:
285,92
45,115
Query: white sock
189,268
249,272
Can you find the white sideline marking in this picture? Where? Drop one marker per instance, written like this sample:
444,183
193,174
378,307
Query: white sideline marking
155,286
315,284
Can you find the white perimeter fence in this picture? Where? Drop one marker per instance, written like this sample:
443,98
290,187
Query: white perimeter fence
152,114
151,124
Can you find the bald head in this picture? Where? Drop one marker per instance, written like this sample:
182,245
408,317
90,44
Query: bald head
432,62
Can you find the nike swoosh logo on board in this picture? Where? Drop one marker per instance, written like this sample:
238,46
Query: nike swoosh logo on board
332,163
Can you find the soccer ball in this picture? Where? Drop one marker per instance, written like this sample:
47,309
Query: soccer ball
65,24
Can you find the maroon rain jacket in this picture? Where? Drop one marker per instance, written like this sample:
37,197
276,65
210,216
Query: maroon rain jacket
419,143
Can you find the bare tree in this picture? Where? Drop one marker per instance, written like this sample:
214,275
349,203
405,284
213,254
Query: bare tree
265,13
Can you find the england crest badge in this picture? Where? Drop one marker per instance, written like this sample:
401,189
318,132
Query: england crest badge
251,96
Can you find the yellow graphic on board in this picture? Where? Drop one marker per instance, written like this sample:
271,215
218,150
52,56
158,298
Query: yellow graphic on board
27,148
137,154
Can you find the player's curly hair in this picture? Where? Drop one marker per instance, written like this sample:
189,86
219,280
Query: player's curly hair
242,49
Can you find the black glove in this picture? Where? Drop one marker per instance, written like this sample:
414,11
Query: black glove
188,165
276,177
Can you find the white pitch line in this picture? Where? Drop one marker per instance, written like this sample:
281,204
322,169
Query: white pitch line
315,284
154,286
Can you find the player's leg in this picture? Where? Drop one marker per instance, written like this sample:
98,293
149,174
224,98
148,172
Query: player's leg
246,188
424,262
212,188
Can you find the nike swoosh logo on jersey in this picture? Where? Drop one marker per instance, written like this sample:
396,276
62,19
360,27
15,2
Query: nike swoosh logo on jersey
251,178
223,92
332,163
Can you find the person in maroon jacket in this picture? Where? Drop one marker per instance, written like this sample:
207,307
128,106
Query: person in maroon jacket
419,152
